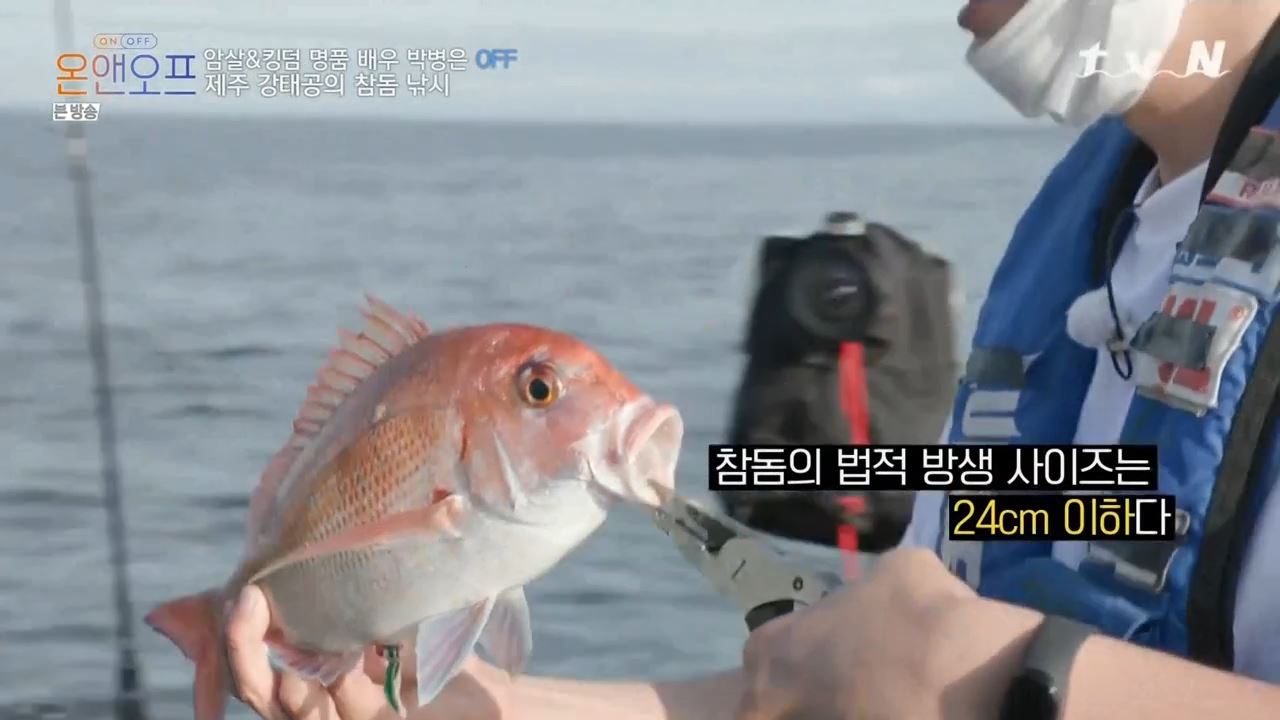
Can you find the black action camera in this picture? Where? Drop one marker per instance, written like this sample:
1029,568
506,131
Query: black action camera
852,281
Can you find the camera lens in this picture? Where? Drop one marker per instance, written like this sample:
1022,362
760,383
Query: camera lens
829,294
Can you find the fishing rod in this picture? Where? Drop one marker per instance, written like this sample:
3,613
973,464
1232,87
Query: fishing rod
129,704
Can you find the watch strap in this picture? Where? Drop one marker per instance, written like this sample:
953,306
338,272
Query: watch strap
1050,656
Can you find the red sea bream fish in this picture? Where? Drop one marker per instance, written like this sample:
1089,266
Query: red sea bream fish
429,477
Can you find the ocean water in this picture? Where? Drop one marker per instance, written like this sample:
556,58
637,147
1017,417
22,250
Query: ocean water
232,249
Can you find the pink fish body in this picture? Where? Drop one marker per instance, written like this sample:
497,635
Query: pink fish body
430,476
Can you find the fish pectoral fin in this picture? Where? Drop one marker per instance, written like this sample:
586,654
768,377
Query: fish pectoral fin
508,636
311,665
440,518
444,643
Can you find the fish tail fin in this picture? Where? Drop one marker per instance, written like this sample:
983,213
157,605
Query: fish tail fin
193,623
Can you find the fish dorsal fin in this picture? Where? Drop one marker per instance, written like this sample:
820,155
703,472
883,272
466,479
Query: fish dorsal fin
387,333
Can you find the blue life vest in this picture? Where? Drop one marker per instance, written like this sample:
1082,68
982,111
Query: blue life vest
1025,383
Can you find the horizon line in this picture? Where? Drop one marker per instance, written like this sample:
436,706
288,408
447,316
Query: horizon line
1016,125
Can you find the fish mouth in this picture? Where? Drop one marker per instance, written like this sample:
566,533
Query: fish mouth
649,447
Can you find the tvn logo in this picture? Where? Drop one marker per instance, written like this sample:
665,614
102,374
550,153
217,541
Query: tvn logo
125,41
1200,61
491,58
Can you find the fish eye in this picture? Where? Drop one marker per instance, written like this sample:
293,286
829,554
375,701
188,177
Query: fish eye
539,385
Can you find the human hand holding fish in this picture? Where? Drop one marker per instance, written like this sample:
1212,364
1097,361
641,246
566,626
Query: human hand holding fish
428,478
477,692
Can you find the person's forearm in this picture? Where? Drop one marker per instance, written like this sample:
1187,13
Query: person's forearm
1109,679
488,694
1114,679
709,698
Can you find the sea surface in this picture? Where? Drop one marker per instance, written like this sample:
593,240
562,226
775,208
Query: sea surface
232,249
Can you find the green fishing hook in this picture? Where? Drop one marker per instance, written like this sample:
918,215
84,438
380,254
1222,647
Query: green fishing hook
391,683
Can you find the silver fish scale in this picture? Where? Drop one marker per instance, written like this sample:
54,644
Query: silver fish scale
366,595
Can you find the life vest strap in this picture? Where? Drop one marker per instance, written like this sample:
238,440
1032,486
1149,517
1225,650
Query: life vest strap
1232,512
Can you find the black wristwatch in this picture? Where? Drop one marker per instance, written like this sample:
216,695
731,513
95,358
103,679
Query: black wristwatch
1040,687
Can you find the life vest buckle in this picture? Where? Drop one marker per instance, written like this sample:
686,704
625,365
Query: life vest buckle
1144,565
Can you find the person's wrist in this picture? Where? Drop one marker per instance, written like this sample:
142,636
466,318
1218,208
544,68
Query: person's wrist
976,649
492,686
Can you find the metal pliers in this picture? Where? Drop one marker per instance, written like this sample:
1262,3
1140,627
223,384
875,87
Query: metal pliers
740,564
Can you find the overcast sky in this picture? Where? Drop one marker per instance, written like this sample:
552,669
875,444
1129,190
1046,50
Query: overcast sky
665,60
